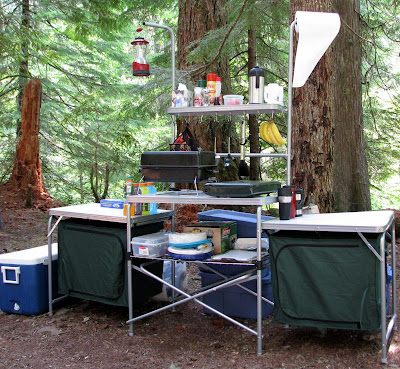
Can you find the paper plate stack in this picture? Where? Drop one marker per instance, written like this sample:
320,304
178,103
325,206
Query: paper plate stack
190,246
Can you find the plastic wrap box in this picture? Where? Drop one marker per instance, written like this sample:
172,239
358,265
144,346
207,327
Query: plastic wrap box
246,223
236,302
24,280
150,245
111,203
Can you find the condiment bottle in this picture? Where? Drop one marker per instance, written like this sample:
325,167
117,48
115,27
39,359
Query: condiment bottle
211,86
218,96
197,96
137,206
128,186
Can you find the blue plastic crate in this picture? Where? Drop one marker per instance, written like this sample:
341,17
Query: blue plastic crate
24,280
246,223
234,301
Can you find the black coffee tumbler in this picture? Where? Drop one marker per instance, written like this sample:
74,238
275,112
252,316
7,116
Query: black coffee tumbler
285,202
299,201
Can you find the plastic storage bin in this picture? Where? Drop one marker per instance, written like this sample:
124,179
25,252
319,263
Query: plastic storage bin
236,302
246,223
233,99
24,280
150,245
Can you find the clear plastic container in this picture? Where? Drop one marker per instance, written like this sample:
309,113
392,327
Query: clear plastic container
150,245
233,99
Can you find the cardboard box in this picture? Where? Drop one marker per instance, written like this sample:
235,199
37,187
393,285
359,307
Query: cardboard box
24,280
223,234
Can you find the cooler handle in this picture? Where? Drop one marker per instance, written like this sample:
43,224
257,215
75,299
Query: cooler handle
17,272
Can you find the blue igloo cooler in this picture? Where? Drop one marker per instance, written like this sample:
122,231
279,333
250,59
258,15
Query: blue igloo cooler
24,280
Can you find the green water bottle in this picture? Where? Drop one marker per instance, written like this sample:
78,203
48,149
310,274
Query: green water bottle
145,206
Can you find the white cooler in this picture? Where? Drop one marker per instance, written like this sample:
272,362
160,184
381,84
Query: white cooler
24,280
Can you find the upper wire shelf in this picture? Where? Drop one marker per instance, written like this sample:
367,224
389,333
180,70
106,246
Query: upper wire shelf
227,109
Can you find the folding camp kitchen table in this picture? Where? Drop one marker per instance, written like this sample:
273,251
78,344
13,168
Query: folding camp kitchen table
357,222
198,197
94,211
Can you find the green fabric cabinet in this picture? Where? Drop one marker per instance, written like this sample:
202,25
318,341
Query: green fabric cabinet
92,262
325,279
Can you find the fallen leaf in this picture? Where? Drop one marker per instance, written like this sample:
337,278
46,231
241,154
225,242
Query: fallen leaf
218,323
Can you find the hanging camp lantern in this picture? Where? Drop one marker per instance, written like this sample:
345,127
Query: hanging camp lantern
140,65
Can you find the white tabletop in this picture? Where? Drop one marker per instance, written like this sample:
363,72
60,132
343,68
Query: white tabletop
363,221
94,211
199,197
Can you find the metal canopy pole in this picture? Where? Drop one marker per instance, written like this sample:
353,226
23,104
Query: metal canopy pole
289,121
155,25
171,32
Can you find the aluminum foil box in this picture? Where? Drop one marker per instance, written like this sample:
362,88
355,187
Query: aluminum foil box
24,280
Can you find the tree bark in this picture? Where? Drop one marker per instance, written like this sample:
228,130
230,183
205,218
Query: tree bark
27,171
322,114
350,172
196,18
253,121
23,70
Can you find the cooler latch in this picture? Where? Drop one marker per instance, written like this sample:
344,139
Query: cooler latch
16,270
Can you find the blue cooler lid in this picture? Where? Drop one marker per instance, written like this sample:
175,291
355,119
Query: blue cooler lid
32,256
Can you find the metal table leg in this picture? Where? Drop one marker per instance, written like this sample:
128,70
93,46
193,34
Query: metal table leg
50,266
259,283
382,264
386,330
129,266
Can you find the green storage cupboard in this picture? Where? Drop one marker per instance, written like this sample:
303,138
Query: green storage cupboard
326,280
92,262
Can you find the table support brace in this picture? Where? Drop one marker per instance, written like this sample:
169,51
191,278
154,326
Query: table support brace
194,297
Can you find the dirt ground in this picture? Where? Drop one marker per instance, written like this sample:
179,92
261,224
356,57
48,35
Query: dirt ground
84,334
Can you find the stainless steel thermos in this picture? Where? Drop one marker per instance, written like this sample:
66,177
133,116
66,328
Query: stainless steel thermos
256,86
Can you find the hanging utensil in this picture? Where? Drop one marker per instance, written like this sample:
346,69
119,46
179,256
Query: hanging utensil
243,167
228,160
215,130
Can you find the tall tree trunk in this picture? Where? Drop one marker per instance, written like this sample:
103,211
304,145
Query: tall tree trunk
253,121
350,172
26,177
322,113
196,18
23,70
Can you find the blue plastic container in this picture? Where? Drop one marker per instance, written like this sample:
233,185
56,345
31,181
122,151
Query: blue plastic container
388,280
246,223
24,280
234,301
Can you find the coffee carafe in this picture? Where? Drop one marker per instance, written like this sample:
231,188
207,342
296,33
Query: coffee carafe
256,86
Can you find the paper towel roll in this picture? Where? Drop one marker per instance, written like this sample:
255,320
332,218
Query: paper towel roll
316,32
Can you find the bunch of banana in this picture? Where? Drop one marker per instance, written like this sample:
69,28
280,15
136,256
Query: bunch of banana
269,132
